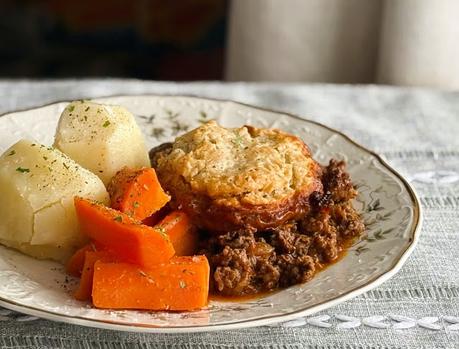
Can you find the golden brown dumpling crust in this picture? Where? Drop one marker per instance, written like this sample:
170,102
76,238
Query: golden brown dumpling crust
232,178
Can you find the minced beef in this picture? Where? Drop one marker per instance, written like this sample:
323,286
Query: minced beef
247,262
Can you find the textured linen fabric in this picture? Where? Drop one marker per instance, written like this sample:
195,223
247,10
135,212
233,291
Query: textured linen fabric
416,130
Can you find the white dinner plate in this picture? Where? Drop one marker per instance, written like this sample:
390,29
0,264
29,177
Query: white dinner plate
389,205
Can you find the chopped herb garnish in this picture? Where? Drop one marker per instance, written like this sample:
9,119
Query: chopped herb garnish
66,166
71,108
87,108
237,141
85,118
106,124
182,284
45,158
118,219
135,204
12,152
23,170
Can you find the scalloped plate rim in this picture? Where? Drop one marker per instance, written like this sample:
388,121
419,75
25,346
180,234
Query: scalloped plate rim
262,321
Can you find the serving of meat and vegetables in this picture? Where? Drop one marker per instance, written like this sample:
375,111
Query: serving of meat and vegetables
229,212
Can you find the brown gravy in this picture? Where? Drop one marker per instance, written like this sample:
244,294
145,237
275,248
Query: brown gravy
344,248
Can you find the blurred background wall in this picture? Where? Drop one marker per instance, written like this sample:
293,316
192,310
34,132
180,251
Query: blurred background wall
400,42
298,40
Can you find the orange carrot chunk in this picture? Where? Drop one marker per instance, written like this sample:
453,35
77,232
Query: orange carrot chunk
83,293
137,192
181,232
75,264
125,237
180,284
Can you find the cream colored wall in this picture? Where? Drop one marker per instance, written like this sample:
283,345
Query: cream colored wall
403,42
420,43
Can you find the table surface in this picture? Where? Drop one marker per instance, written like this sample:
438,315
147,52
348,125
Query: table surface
416,130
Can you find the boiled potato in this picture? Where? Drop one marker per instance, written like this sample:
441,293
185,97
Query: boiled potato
37,187
101,138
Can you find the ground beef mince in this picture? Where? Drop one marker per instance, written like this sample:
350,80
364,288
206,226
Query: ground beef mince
249,261
337,183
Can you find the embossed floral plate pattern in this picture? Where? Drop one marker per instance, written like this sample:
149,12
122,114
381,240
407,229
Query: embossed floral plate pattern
389,206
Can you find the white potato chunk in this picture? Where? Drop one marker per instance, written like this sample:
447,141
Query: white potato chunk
101,138
56,253
37,188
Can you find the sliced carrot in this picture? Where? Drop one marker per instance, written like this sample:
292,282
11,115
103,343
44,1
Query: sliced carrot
180,284
137,192
119,233
181,232
75,264
83,293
